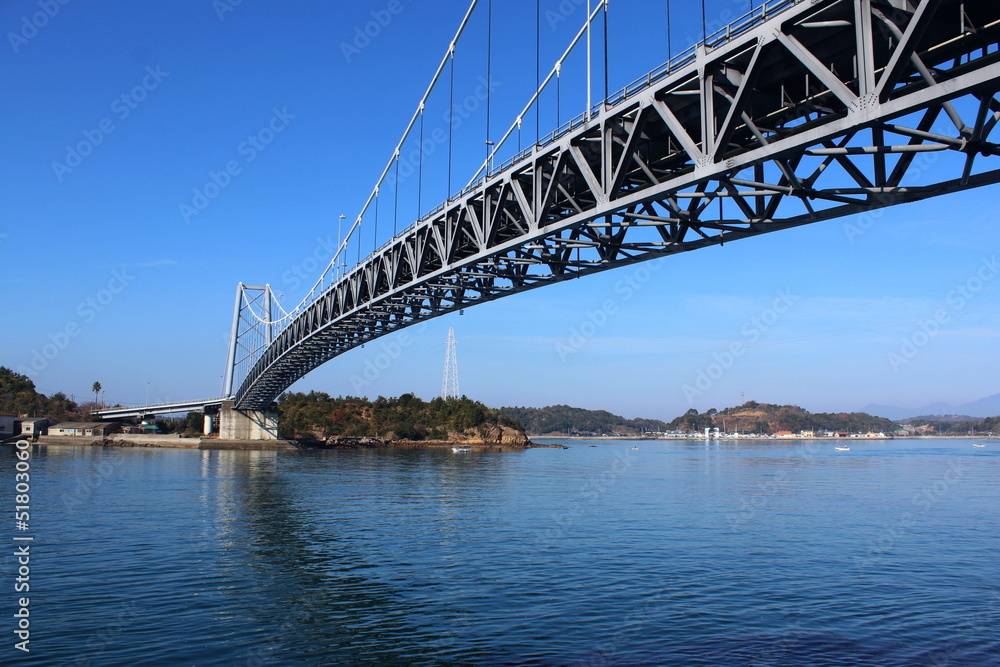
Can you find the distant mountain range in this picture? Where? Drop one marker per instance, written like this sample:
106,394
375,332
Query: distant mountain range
984,407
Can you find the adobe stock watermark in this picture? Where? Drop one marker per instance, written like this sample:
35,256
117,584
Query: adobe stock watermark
86,312
957,299
365,34
922,501
724,18
758,500
248,150
564,10
121,108
856,226
389,352
306,270
110,633
750,332
223,7
592,490
630,628
595,320
90,481
774,653
454,118
31,24
986,619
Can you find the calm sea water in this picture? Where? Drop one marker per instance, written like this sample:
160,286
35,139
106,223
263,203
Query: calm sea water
677,553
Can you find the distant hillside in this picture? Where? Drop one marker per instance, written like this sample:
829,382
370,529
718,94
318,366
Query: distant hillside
318,415
984,407
955,424
753,417
565,420
924,419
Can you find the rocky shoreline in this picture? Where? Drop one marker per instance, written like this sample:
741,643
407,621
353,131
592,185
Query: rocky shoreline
166,442
340,442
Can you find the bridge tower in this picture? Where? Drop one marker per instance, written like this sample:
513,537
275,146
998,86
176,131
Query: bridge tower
449,383
253,331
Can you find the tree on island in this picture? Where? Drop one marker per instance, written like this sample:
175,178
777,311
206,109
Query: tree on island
407,417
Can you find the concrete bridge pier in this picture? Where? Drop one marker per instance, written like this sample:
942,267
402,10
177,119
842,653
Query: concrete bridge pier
247,424
211,415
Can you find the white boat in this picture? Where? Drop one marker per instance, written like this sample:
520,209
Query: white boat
843,449
461,449
979,445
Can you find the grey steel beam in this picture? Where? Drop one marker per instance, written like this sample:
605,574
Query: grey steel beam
642,178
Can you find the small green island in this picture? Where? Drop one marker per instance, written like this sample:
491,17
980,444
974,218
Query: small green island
317,419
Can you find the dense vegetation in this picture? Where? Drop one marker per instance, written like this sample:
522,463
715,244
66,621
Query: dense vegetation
318,415
563,419
959,426
754,417
408,418
19,397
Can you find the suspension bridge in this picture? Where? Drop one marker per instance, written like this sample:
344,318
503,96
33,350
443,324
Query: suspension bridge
798,112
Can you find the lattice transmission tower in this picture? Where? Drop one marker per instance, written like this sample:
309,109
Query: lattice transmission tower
449,383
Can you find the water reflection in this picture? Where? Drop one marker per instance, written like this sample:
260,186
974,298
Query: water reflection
349,557
300,543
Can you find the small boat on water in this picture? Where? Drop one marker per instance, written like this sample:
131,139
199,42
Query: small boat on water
461,449
843,449
635,447
979,445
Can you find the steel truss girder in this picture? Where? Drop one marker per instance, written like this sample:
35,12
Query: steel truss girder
818,113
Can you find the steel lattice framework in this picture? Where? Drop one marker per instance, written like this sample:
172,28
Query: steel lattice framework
813,110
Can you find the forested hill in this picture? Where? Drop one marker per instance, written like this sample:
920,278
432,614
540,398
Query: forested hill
19,397
318,415
764,418
564,420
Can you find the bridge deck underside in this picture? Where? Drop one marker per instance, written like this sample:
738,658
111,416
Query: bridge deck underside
832,108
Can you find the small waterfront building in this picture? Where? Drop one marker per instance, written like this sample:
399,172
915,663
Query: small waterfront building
34,426
85,429
6,425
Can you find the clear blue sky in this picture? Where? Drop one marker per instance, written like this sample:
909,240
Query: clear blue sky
100,260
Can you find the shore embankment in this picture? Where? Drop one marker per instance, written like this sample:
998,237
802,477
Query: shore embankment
379,443
177,442
167,441
763,438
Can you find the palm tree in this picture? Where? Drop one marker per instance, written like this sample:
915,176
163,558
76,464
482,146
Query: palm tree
96,388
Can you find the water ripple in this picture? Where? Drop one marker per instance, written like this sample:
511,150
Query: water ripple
677,554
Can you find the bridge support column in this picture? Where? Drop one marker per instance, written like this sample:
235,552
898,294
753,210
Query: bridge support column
211,420
247,424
